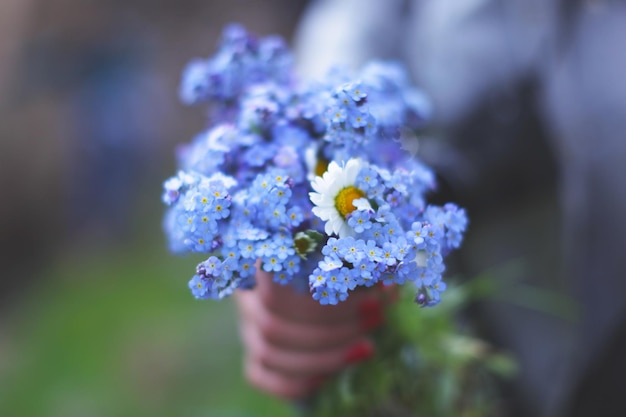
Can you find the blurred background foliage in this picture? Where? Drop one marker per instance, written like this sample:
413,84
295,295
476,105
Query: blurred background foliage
95,314
115,333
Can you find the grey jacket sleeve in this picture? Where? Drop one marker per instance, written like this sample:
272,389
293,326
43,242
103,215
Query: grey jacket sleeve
530,103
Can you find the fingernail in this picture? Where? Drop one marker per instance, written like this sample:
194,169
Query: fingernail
372,321
371,312
370,306
359,352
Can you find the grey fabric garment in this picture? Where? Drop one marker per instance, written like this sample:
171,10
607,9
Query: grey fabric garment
530,99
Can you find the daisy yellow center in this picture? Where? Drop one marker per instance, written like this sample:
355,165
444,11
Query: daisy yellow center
345,198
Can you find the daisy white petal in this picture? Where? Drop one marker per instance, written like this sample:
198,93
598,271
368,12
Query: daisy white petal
334,196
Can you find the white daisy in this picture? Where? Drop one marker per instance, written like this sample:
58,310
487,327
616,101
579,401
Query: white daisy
335,194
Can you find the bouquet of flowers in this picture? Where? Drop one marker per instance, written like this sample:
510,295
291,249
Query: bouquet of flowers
317,182
310,180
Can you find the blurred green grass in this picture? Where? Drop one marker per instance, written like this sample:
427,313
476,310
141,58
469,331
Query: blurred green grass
115,332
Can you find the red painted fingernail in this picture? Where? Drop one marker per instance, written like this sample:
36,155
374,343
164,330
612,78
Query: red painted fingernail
372,321
359,352
371,306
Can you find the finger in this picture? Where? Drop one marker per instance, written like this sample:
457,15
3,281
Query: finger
285,301
287,333
303,362
276,383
